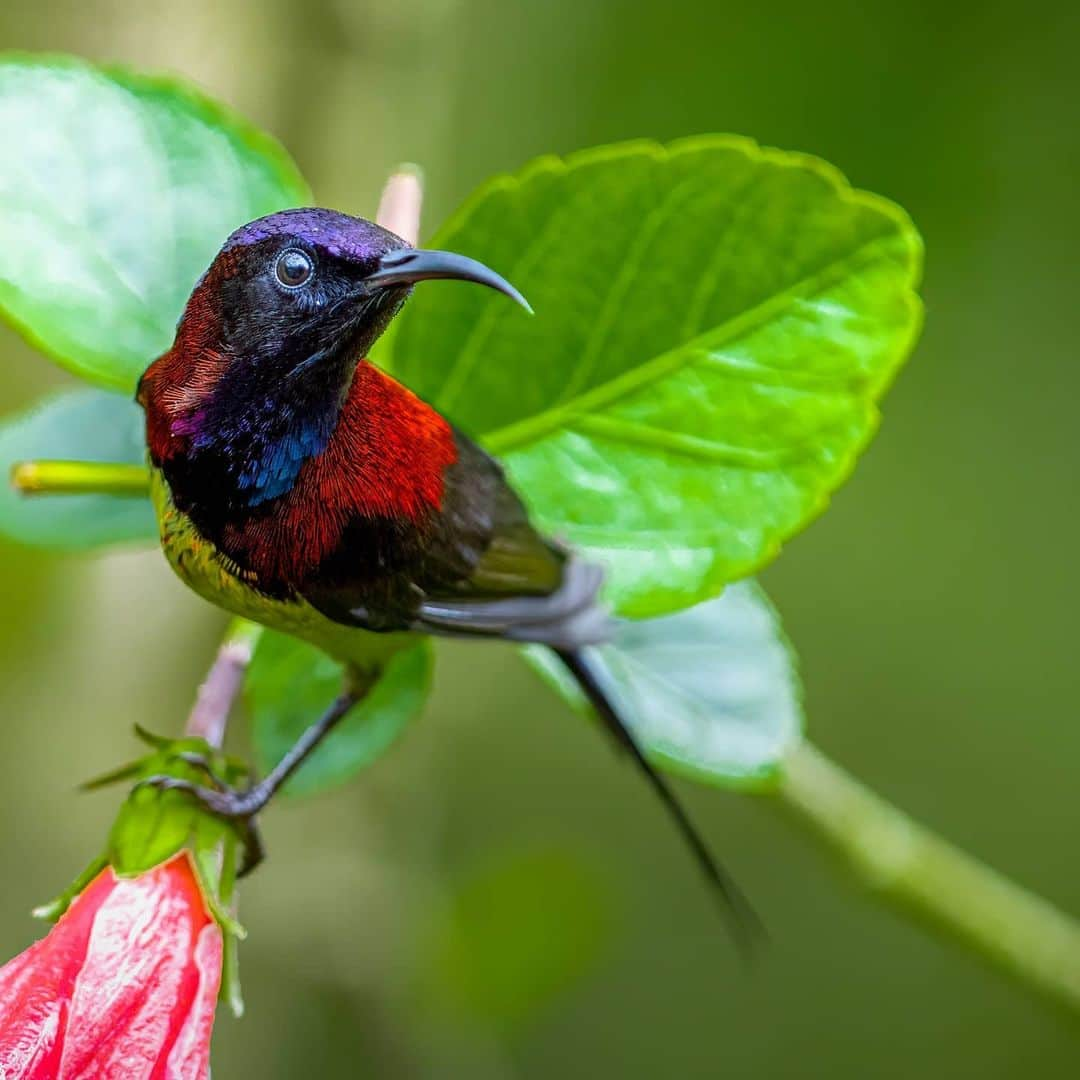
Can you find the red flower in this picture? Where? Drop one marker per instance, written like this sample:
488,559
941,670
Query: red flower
124,985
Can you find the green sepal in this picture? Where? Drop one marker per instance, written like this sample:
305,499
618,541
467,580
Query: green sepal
216,873
154,825
155,742
56,907
114,776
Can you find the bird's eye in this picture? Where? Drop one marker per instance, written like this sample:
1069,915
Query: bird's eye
294,268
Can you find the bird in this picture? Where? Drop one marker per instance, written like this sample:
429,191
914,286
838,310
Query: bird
300,486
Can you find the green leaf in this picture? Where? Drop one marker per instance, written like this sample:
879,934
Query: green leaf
712,693
79,425
715,322
289,684
116,191
517,934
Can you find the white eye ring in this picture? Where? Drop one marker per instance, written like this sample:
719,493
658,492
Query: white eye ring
294,268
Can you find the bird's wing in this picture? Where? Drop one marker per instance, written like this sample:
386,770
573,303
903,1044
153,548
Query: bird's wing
481,569
568,618
522,586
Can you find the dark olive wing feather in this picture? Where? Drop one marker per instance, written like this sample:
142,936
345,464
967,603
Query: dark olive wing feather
479,569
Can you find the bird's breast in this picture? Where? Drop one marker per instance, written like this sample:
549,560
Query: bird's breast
364,504
205,570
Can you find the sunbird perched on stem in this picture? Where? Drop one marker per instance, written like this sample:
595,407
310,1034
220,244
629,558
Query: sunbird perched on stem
301,487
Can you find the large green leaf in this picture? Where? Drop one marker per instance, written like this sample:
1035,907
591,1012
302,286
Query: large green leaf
712,692
79,425
290,684
116,190
714,324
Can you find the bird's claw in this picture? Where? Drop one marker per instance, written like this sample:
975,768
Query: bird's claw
201,762
238,807
220,800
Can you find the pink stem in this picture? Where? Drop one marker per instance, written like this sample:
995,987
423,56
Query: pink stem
399,207
209,716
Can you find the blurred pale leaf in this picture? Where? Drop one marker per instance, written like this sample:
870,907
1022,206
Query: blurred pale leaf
290,684
516,935
79,425
714,324
116,190
711,692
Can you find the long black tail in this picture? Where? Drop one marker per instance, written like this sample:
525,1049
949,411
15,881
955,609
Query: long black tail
744,921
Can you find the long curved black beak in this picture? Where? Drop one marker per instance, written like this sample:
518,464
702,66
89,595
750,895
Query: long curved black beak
409,265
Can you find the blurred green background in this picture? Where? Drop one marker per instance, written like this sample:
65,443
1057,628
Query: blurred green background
934,605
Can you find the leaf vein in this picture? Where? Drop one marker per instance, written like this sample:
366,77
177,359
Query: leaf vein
467,357
654,438
609,311
527,431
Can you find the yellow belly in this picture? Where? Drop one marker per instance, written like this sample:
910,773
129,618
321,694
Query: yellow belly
199,565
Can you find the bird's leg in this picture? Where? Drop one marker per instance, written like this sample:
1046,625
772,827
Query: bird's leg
256,797
243,805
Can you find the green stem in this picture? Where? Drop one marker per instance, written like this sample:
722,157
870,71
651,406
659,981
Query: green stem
1018,932
80,478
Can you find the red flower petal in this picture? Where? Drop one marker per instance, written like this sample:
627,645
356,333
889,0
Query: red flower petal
123,987
190,1055
35,990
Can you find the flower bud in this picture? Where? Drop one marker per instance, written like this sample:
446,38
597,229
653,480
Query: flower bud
124,985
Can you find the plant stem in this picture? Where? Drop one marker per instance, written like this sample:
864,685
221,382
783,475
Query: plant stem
209,716
401,201
80,478
905,863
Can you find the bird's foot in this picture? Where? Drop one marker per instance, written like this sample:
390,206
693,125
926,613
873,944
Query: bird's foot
222,801
240,805
236,805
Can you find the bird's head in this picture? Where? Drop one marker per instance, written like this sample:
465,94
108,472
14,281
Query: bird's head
300,287
270,339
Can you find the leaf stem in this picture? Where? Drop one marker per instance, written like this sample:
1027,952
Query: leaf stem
902,861
80,478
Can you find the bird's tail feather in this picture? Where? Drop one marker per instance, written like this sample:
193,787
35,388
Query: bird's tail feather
568,618
744,921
